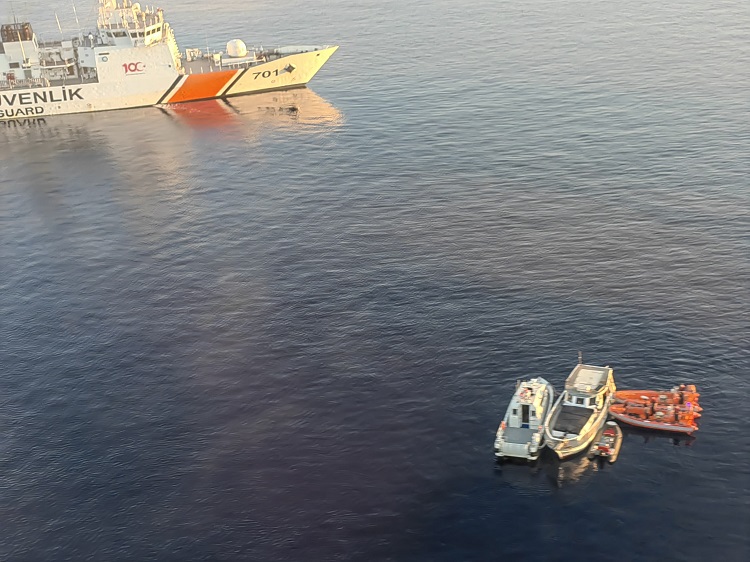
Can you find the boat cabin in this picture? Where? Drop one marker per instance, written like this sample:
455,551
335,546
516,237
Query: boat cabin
585,387
587,381
527,407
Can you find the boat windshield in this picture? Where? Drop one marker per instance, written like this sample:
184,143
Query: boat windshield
572,419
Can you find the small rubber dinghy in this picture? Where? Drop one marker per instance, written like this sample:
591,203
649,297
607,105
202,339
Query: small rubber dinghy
607,443
521,433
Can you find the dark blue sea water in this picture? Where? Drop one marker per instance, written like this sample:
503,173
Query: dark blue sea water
287,330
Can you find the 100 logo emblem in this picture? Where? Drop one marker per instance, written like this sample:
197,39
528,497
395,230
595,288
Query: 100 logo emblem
131,67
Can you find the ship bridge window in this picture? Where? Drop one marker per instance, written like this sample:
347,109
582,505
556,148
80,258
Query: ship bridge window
14,65
121,33
580,401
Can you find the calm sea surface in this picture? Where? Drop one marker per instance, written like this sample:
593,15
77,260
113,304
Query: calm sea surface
288,330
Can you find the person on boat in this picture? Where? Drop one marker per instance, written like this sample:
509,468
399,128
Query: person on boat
640,411
682,394
687,418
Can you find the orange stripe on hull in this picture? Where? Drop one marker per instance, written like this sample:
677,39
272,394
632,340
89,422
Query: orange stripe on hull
203,86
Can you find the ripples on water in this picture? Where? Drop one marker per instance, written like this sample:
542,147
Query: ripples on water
287,328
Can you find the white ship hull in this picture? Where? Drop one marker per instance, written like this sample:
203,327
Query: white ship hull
159,86
133,61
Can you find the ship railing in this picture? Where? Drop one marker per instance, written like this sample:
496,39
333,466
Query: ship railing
52,82
24,83
52,64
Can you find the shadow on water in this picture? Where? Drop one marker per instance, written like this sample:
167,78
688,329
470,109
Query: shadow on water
649,435
548,472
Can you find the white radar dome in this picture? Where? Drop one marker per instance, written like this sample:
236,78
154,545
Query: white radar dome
236,48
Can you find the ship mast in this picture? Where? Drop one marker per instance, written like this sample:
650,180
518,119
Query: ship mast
78,23
20,42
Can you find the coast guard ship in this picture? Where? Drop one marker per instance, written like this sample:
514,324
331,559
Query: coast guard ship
132,60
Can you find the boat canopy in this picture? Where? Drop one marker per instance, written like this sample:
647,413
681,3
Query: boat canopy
588,379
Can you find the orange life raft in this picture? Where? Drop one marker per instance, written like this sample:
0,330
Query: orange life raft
666,410
682,395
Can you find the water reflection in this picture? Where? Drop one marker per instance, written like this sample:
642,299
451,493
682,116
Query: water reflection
152,172
301,110
141,147
547,473
570,471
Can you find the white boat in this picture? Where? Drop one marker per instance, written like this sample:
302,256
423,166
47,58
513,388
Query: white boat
131,59
520,433
580,411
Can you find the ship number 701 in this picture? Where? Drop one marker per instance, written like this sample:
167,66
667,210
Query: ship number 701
266,73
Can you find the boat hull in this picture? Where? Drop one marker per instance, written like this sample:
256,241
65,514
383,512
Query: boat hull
580,411
519,442
650,424
156,82
569,448
606,447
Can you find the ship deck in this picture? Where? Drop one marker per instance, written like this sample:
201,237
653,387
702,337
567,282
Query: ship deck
200,66
571,419
518,435
204,65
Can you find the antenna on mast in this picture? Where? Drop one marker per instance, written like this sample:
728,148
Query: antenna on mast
580,357
58,25
78,23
